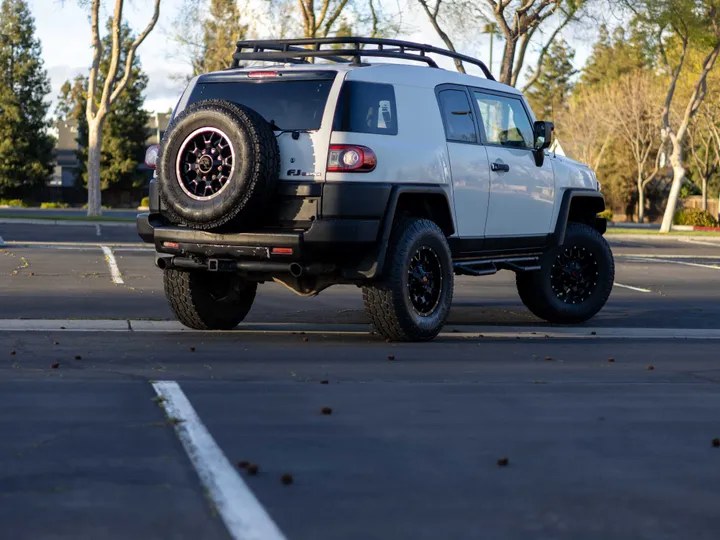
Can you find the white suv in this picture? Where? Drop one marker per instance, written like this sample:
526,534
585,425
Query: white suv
393,177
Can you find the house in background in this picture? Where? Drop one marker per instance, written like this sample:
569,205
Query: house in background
66,161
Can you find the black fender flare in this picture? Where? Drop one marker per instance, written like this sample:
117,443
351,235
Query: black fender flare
596,198
373,266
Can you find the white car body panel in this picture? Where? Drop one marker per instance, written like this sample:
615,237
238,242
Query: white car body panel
522,202
522,199
471,185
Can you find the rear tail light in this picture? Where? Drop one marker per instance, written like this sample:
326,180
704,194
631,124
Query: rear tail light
350,158
151,156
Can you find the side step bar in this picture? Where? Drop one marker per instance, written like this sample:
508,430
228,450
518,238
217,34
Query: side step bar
486,267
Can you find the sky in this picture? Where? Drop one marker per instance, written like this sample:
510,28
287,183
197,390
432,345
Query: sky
64,31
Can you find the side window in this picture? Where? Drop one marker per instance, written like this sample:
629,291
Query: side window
505,121
457,116
365,107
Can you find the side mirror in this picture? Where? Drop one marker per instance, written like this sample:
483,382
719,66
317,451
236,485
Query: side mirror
543,133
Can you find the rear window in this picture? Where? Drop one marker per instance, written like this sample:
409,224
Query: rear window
287,105
366,108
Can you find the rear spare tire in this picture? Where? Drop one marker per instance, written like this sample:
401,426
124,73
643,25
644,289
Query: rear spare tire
218,165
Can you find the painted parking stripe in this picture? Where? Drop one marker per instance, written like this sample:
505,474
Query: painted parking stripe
98,231
638,289
700,242
243,515
2,242
697,265
112,263
663,256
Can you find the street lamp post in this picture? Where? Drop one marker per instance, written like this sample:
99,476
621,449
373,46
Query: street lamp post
492,29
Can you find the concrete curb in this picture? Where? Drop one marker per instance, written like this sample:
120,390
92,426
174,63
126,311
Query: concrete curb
450,331
661,237
65,222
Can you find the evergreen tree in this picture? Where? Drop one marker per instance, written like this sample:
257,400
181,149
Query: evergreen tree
25,146
553,87
617,55
220,31
124,131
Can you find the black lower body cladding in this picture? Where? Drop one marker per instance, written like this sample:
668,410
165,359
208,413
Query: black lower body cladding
218,167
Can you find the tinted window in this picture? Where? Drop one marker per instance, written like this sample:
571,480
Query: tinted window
366,108
288,105
505,121
457,116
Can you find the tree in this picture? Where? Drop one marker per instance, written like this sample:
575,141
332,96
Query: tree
593,138
25,146
124,131
704,143
617,55
518,21
100,101
207,31
631,106
553,86
680,24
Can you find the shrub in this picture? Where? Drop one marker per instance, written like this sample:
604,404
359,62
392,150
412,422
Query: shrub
696,217
145,202
54,205
606,214
18,203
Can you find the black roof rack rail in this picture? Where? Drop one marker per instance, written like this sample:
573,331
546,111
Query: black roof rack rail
299,50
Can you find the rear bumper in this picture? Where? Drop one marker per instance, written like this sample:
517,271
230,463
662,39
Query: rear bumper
324,237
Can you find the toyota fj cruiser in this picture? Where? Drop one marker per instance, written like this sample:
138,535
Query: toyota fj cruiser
389,176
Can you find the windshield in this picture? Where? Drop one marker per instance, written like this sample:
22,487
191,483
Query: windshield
287,105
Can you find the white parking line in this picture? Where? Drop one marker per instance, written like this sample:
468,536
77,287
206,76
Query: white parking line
700,242
697,265
112,263
616,284
97,230
2,242
664,256
242,513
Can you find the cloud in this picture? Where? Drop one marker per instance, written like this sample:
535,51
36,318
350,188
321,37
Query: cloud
60,74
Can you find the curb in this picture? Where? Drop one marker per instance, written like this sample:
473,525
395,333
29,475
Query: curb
65,222
661,237
450,331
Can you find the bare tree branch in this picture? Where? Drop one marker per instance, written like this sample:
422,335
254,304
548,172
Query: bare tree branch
131,53
433,16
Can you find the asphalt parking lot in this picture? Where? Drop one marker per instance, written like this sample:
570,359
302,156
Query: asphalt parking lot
138,429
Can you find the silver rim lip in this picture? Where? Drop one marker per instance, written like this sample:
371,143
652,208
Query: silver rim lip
182,151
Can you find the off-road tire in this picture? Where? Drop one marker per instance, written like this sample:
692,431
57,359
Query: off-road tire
536,290
197,306
256,167
387,301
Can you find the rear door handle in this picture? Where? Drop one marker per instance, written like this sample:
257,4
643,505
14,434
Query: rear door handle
499,167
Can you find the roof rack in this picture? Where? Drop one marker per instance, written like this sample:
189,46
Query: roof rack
297,51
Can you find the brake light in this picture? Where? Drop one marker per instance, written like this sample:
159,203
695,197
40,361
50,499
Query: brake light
151,156
262,74
350,158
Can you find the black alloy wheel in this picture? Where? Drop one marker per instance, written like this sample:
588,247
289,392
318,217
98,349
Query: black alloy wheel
425,281
574,274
